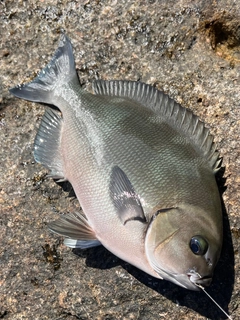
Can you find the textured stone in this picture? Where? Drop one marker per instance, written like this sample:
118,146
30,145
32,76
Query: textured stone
188,49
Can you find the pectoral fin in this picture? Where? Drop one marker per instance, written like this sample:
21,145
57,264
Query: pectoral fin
76,228
124,197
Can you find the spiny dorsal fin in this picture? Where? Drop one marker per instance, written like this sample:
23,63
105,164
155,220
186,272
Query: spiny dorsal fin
181,118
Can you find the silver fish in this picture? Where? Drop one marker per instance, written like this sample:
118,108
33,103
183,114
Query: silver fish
142,167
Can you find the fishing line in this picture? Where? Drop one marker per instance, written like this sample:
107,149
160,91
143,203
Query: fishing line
198,285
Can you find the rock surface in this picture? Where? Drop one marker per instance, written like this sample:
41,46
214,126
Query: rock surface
188,49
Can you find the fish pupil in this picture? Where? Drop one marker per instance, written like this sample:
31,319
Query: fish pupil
194,248
198,245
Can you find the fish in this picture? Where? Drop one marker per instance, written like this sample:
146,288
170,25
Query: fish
142,167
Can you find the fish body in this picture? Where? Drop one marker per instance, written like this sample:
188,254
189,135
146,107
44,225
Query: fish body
142,167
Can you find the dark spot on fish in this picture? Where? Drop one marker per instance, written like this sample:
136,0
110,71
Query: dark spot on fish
209,262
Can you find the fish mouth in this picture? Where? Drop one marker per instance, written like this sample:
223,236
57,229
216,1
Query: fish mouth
197,280
191,280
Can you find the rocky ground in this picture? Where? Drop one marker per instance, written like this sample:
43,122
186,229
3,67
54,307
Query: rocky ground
188,49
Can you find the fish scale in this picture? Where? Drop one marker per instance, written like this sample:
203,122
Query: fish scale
131,158
142,167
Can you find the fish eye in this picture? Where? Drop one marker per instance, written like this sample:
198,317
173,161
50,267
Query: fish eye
198,245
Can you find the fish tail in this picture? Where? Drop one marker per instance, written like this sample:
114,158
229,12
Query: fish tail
60,70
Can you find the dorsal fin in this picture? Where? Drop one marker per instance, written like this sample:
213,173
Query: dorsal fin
181,118
47,144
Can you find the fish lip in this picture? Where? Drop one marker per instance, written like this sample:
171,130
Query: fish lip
182,280
191,280
196,279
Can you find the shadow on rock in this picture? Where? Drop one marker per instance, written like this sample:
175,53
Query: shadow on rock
67,187
99,258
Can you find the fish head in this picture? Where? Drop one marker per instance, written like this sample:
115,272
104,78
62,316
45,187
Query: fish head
183,245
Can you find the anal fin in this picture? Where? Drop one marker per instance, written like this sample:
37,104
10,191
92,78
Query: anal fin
47,144
81,244
76,228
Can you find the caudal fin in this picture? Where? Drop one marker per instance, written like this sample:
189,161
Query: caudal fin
60,70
